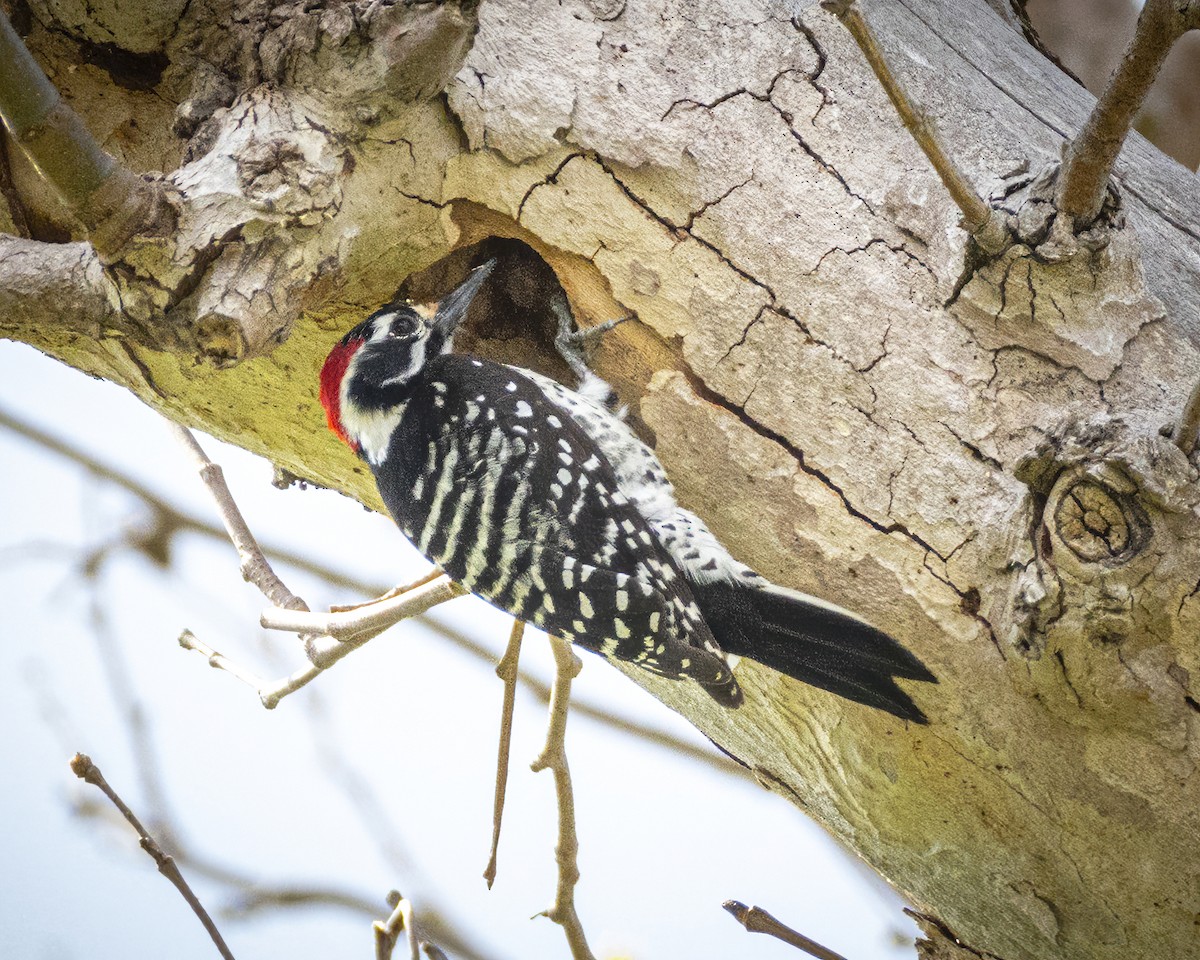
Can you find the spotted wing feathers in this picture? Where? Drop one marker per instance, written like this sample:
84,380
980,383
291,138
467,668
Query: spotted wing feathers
748,615
510,496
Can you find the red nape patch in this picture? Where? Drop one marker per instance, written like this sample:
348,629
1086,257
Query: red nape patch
332,374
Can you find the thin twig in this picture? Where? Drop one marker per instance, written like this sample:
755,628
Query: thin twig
1188,428
554,758
255,567
82,767
506,670
1088,160
324,651
757,920
326,637
388,594
387,932
985,224
218,661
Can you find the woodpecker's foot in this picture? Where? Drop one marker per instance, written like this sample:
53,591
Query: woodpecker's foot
571,341
394,592
347,624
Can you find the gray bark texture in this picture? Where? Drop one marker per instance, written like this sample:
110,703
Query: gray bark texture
973,459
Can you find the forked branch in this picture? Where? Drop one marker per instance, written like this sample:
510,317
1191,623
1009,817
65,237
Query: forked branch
322,649
387,932
327,637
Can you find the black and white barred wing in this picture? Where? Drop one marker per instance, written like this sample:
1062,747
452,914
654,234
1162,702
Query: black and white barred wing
511,498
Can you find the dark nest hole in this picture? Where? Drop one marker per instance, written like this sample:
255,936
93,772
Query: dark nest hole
510,320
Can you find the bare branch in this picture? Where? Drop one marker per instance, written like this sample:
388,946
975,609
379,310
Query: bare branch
429,577
387,932
372,617
1089,159
256,569
68,275
757,920
323,650
506,670
82,767
554,758
218,661
112,202
327,637
985,224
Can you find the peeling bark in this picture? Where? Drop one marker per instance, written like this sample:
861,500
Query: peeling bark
973,459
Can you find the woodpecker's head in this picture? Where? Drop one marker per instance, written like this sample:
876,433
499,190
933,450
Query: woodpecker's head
370,371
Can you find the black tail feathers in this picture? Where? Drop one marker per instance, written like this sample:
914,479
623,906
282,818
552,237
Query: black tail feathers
814,642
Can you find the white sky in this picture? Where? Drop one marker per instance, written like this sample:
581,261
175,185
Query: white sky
664,839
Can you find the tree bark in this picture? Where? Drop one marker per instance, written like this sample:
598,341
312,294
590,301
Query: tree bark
972,459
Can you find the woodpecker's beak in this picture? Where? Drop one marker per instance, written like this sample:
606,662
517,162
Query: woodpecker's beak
453,307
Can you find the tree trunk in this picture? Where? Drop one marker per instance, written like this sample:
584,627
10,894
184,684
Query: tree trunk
972,458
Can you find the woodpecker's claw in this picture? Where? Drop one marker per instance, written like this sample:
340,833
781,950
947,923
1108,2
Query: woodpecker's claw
394,592
571,340
369,618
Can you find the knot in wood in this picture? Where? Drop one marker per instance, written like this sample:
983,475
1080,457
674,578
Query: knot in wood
1096,523
221,340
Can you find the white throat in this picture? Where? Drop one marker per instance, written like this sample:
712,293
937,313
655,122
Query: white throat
372,430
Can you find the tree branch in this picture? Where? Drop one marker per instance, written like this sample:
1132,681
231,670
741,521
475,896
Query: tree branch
255,567
757,920
82,767
68,276
985,224
506,670
554,758
1089,159
112,203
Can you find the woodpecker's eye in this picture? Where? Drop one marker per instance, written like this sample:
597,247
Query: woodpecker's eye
404,327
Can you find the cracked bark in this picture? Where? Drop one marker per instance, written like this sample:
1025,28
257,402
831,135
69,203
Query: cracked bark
848,417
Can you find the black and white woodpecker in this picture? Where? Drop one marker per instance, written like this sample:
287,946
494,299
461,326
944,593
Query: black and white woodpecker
541,500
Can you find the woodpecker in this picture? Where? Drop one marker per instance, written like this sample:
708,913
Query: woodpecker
541,500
